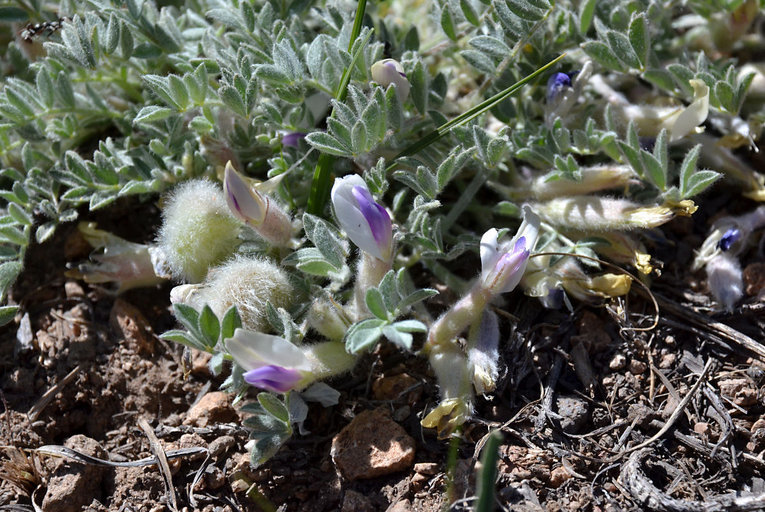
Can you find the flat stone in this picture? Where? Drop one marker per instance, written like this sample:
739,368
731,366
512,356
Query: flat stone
372,445
393,388
575,412
741,391
72,486
213,408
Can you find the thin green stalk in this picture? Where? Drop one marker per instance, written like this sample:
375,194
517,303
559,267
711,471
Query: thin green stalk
488,475
451,467
471,114
322,175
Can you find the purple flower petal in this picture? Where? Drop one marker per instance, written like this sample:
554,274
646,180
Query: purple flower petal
729,238
376,216
292,139
556,83
273,378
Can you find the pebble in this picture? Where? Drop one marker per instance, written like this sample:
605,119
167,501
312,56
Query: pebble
372,445
740,391
558,477
72,486
426,468
667,361
213,408
617,362
637,367
221,445
701,428
575,412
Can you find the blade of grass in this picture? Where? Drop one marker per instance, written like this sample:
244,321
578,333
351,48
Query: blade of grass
322,175
474,112
488,475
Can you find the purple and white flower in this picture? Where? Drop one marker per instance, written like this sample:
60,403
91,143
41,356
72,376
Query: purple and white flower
389,71
255,209
271,363
503,263
365,221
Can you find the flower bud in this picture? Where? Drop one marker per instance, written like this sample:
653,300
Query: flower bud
197,230
389,71
366,222
593,213
255,209
247,283
593,179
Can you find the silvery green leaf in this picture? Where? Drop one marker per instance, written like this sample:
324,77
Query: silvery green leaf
622,49
322,393
45,88
228,17
359,138
184,338
492,46
586,12
272,75
526,10
661,78
479,61
654,170
468,10
274,407
389,293
452,165
638,36
152,113
725,96
19,214
179,92
376,304
415,297
328,144
603,55
45,231
363,335
401,338
298,411
447,22
7,313
311,261
9,272
700,181
419,91
13,235
287,61
233,99
326,239
112,36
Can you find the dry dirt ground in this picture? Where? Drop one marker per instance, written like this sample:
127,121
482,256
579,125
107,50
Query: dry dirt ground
596,413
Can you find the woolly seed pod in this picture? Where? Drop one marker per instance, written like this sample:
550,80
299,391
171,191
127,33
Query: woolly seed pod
198,231
247,283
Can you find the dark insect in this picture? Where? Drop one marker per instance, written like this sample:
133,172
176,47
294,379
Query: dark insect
47,28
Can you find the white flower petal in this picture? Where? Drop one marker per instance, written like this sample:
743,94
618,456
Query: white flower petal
350,217
695,114
252,350
489,253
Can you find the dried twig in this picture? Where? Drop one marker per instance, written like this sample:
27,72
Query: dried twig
44,400
164,468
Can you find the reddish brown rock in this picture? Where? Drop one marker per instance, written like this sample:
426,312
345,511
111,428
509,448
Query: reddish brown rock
741,391
73,486
213,408
395,386
372,445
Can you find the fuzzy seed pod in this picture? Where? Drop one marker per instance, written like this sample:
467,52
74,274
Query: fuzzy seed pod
248,284
198,231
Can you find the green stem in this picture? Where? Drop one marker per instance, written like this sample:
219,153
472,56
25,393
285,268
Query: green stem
488,475
322,175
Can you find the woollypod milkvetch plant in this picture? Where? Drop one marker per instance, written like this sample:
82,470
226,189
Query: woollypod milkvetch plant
321,172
